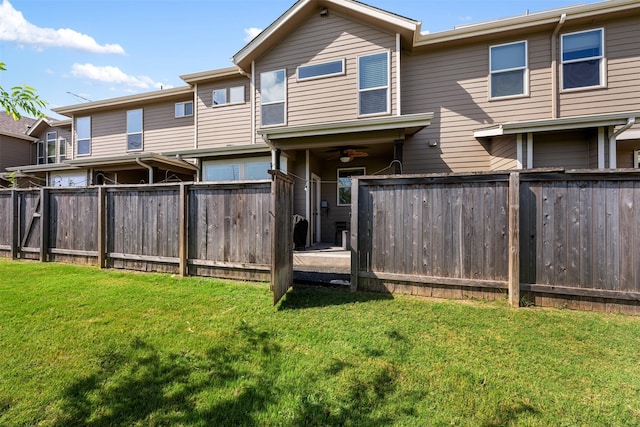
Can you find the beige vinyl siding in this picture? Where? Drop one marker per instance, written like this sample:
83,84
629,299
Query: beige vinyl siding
626,151
568,149
319,40
62,132
622,53
15,152
161,130
503,153
453,84
226,124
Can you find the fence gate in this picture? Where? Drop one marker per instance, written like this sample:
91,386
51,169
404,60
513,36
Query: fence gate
282,234
30,210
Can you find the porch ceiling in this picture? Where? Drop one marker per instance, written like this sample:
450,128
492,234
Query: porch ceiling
351,132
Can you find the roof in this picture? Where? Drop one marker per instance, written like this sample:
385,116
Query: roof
16,128
564,123
125,160
141,98
523,22
47,123
301,10
232,150
211,75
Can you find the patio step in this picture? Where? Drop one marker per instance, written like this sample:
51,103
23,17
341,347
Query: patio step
335,259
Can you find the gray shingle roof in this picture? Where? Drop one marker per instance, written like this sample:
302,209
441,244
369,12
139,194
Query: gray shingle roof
8,125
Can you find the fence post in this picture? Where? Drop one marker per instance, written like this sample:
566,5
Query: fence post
514,239
355,213
14,224
183,250
44,224
102,227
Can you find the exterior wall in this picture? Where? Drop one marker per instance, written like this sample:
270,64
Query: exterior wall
453,84
63,132
569,149
223,125
622,53
15,152
626,151
162,131
323,39
503,152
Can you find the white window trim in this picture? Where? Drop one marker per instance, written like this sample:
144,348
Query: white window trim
78,154
636,158
241,162
388,86
55,147
183,109
358,168
284,101
227,91
525,76
141,133
602,58
321,76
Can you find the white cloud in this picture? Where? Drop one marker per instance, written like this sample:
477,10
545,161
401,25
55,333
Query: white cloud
251,33
109,74
14,28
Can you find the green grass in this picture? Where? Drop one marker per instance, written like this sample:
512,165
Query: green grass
80,346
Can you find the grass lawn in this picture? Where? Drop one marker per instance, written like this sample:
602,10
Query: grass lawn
80,346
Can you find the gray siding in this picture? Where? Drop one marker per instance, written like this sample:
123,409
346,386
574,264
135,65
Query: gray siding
571,150
15,152
227,124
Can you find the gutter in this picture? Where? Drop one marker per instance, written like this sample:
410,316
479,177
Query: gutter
613,142
554,67
144,165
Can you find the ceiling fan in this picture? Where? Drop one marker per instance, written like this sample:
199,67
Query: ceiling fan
346,154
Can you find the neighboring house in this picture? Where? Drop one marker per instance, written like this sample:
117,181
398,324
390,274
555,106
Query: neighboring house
337,88
16,146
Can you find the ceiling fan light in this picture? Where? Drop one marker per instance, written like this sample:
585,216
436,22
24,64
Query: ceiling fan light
345,159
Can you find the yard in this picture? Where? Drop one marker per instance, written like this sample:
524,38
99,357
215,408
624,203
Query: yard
80,346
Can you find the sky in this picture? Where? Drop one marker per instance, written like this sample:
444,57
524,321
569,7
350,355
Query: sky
72,51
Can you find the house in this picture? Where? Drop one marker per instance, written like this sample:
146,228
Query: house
16,146
336,88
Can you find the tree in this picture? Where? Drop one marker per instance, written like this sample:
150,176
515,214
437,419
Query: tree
20,99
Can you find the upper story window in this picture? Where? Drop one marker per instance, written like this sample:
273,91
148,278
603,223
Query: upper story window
52,139
373,84
232,95
508,66
324,69
134,130
184,109
83,135
273,94
583,59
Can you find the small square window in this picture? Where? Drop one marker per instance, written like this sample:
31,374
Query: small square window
184,109
219,97
236,95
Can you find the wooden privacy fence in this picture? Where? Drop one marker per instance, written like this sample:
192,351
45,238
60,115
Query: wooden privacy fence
570,238
221,230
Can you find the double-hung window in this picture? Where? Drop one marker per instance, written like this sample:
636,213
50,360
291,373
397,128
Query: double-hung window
373,84
83,135
273,94
134,130
583,59
508,66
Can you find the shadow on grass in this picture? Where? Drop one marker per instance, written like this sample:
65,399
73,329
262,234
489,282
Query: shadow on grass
236,382
310,297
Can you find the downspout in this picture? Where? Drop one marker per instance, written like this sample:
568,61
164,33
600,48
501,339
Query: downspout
613,161
195,117
398,82
554,67
252,85
144,165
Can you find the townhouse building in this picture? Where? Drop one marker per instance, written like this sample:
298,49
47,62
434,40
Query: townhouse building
336,88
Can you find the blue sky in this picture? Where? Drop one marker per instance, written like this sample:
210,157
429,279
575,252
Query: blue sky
99,49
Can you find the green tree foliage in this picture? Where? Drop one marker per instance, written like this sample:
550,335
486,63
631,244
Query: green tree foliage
20,99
